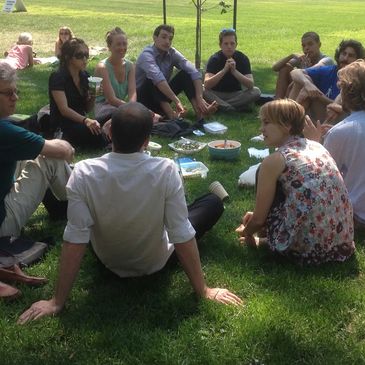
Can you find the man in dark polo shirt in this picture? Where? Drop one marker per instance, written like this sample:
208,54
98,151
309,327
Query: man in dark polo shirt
29,164
228,78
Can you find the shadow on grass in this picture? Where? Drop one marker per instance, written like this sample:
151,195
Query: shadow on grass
265,79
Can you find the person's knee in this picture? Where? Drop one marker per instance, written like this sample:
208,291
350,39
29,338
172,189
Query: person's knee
215,204
255,92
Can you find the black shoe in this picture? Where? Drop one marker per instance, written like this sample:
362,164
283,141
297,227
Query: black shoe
199,124
56,209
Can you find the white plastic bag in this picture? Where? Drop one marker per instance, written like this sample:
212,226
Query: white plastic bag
248,178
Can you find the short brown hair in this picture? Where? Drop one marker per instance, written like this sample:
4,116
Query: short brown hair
131,126
226,32
285,112
351,80
165,27
69,48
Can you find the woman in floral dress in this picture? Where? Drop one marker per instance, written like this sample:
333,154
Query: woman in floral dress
301,198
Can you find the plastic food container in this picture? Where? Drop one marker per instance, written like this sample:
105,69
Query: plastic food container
224,149
215,128
153,146
194,169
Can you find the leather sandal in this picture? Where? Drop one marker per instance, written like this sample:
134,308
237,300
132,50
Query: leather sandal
15,274
8,292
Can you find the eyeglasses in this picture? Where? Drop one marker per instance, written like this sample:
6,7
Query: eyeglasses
64,33
224,30
81,55
10,93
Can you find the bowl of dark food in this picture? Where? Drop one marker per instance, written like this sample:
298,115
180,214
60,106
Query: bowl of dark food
187,146
224,149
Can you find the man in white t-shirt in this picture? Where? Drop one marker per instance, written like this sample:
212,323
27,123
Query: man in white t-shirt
345,141
132,208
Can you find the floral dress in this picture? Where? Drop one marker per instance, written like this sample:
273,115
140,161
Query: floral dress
311,218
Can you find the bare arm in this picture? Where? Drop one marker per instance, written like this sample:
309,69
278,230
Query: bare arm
211,80
71,258
245,80
164,87
132,93
188,255
312,91
300,77
270,170
30,56
335,110
59,149
57,49
290,59
61,101
201,104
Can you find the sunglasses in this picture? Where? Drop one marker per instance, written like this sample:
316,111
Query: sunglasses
81,55
10,93
224,30
64,33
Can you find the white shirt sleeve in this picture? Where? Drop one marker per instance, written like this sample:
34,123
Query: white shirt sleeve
79,222
334,143
176,220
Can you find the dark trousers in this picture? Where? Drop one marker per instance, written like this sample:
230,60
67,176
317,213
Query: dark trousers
151,97
79,135
204,213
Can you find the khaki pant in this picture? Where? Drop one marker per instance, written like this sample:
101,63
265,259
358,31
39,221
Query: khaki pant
33,178
232,101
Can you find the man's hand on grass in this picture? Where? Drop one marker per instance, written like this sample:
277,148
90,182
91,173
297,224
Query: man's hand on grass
38,310
224,296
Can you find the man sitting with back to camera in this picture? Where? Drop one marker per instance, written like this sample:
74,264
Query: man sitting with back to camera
132,208
228,79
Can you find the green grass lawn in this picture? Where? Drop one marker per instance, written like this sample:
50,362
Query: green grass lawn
292,315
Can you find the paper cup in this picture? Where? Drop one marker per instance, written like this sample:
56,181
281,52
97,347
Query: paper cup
94,85
217,188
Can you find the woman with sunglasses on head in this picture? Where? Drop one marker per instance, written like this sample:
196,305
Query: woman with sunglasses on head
70,99
64,34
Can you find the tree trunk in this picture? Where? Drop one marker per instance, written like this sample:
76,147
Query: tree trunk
198,34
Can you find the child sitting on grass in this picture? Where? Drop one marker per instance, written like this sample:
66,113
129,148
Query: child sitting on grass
301,197
20,55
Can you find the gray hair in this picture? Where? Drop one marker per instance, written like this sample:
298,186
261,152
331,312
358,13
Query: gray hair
7,73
